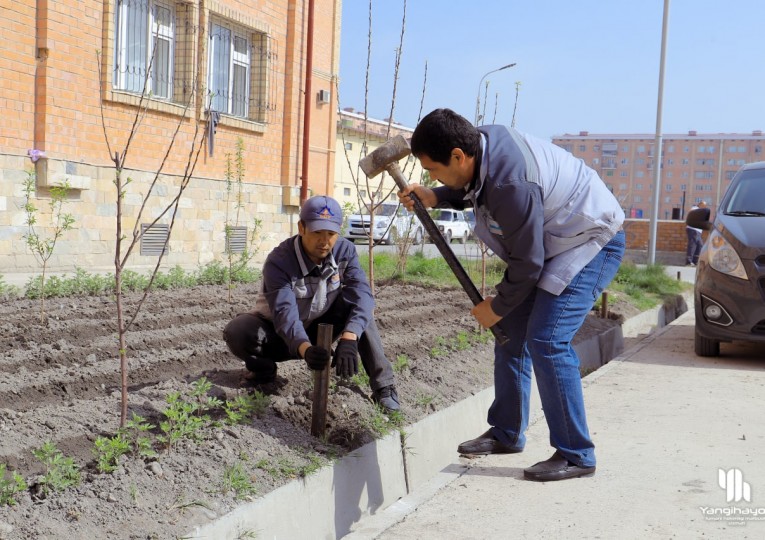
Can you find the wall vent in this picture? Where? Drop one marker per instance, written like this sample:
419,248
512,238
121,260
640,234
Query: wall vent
154,239
236,239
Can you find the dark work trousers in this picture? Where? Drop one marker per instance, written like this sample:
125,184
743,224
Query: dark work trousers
694,246
254,339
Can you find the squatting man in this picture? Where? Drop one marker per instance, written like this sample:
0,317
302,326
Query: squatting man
311,278
558,228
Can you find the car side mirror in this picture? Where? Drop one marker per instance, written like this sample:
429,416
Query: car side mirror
699,219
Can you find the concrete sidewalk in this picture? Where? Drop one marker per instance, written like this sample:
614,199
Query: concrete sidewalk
664,422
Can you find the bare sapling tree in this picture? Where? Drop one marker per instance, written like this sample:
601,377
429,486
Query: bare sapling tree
41,245
483,247
239,251
126,243
515,106
372,193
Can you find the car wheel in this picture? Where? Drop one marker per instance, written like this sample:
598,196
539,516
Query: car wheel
417,237
464,238
705,346
448,237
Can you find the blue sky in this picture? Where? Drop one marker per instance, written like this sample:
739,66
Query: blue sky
585,65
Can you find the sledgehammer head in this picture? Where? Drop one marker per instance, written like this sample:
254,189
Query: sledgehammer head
390,152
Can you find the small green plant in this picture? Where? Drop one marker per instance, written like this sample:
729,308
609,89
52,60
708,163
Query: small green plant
136,430
461,341
240,409
482,336
199,390
237,480
423,400
314,464
60,472
42,248
361,379
401,363
109,450
133,490
286,468
439,349
382,422
9,487
131,438
183,421
6,289
181,504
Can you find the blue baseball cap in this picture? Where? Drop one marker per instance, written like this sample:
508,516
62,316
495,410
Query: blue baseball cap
322,213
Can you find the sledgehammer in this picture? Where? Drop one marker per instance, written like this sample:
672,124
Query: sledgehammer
385,158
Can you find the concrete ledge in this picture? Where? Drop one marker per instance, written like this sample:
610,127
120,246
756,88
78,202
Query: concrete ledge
395,475
323,505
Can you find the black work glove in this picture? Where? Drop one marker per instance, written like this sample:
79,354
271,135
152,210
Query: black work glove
316,357
345,360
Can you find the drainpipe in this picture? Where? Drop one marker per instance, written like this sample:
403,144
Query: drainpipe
308,104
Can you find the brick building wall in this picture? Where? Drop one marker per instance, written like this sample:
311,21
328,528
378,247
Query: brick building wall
670,235
53,101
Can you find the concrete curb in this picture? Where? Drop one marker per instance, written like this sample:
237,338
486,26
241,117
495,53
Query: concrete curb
377,485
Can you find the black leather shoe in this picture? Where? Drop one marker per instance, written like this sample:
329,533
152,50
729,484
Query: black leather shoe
556,468
486,444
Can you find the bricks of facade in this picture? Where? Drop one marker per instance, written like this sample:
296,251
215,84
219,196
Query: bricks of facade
67,114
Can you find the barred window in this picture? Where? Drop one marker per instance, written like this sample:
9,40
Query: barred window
144,47
237,65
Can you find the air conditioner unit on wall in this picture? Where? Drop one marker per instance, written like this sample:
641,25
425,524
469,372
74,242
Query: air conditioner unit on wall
323,96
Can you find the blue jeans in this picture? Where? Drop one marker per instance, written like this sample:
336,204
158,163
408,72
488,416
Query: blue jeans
695,244
539,333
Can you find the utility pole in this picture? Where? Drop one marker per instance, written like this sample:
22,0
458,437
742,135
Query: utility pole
657,142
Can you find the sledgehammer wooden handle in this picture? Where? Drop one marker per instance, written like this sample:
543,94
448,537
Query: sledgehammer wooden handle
451,259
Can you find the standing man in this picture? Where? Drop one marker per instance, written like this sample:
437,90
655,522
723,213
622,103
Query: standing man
311,278
694,240
558,227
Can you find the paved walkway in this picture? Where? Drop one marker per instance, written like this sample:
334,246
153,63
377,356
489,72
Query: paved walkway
664,421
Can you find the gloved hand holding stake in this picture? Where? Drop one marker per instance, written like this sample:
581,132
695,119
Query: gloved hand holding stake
316,357
345,360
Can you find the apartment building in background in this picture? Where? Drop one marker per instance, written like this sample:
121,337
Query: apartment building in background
355,139
221,74
694,167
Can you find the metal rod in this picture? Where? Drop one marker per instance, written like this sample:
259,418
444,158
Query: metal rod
321,384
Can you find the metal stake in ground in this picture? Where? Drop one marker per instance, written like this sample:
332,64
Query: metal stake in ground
385,158
321,384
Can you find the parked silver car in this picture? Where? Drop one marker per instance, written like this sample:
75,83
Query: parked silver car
729,295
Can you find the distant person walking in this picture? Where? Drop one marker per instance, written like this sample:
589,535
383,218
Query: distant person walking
694,240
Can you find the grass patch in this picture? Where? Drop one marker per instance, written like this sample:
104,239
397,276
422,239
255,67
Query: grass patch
643,286
646,286
83,283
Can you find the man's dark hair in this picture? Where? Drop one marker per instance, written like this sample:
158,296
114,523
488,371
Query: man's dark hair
441,131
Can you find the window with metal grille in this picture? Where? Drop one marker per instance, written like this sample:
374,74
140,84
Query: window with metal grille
237,65
236,239
154,239
145,35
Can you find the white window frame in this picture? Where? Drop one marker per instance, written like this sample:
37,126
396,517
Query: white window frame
234,59
154,31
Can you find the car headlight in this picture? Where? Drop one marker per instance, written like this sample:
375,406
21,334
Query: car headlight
723,258
380,225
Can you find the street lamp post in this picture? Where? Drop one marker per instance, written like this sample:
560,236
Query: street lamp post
478,97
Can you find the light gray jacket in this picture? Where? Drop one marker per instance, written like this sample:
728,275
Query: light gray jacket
539,208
